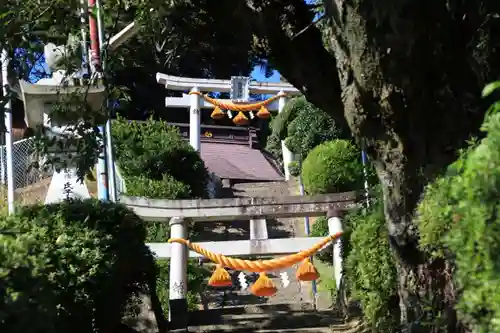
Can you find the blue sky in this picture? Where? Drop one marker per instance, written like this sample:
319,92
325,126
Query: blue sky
258,75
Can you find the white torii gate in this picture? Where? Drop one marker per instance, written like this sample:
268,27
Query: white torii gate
239,87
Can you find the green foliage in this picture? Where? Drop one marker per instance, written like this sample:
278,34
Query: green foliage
310,127
370,269
320,229
302,126
156,151
158,163
70,267
294,168
331,167
196,284
466,227
436,212
458,221
273,146
286,116
167,188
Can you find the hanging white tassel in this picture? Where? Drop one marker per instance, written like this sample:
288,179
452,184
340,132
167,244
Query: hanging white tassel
285,281
243,281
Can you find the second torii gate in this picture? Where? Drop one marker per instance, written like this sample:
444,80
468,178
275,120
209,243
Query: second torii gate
239,87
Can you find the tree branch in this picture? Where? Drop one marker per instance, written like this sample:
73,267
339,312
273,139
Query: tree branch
286,27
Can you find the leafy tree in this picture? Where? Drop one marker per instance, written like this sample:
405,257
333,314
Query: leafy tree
407,91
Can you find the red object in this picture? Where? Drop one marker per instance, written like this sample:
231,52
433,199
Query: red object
94,38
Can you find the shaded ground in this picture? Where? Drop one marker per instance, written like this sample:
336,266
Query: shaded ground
28,195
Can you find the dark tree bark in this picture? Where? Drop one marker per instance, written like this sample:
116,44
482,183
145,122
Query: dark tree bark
406,77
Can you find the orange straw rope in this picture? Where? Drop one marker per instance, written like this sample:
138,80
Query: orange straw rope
237,107
256,266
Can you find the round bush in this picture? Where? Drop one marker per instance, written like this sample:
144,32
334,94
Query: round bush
334,166
71,267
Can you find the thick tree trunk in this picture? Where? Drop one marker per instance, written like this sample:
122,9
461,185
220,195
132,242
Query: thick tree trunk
406,75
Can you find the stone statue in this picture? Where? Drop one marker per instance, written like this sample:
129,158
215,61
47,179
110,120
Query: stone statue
57,58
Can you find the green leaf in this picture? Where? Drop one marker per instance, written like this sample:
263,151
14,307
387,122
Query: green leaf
490,88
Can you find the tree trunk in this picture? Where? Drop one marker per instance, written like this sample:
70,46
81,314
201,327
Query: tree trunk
406,75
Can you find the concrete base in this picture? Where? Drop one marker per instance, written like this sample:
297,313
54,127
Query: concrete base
178,314
57,191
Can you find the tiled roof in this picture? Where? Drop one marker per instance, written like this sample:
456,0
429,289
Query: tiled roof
234,161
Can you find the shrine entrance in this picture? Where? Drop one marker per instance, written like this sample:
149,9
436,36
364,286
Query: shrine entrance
276,256
239,108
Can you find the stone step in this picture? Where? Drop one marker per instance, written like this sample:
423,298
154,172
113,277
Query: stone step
265,318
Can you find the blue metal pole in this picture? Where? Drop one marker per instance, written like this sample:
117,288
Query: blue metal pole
102,181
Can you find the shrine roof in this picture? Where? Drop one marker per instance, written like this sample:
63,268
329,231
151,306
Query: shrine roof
233,161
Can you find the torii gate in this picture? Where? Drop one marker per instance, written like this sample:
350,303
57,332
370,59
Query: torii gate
239,87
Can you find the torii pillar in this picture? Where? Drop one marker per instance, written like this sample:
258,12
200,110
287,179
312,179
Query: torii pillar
240,88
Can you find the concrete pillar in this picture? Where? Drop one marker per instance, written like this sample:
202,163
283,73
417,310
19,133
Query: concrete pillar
194,120
258,229
287,154
335,226
178,310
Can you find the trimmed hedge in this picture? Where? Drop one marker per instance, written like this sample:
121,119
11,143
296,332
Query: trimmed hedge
331,167
156,151
71,267
369,268
302,126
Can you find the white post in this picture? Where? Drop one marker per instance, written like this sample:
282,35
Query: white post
335,226
258,229
178,274
194,120
8,132
287,154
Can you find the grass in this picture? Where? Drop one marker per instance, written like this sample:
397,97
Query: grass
326,281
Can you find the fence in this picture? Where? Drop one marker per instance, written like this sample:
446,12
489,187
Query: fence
26,177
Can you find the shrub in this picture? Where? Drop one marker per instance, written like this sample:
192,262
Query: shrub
166,188
458,220
310,128
466,225
294,168
370,269
154,149
302,126
320,229
333,166
196,284
273,147
436,211
71,267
